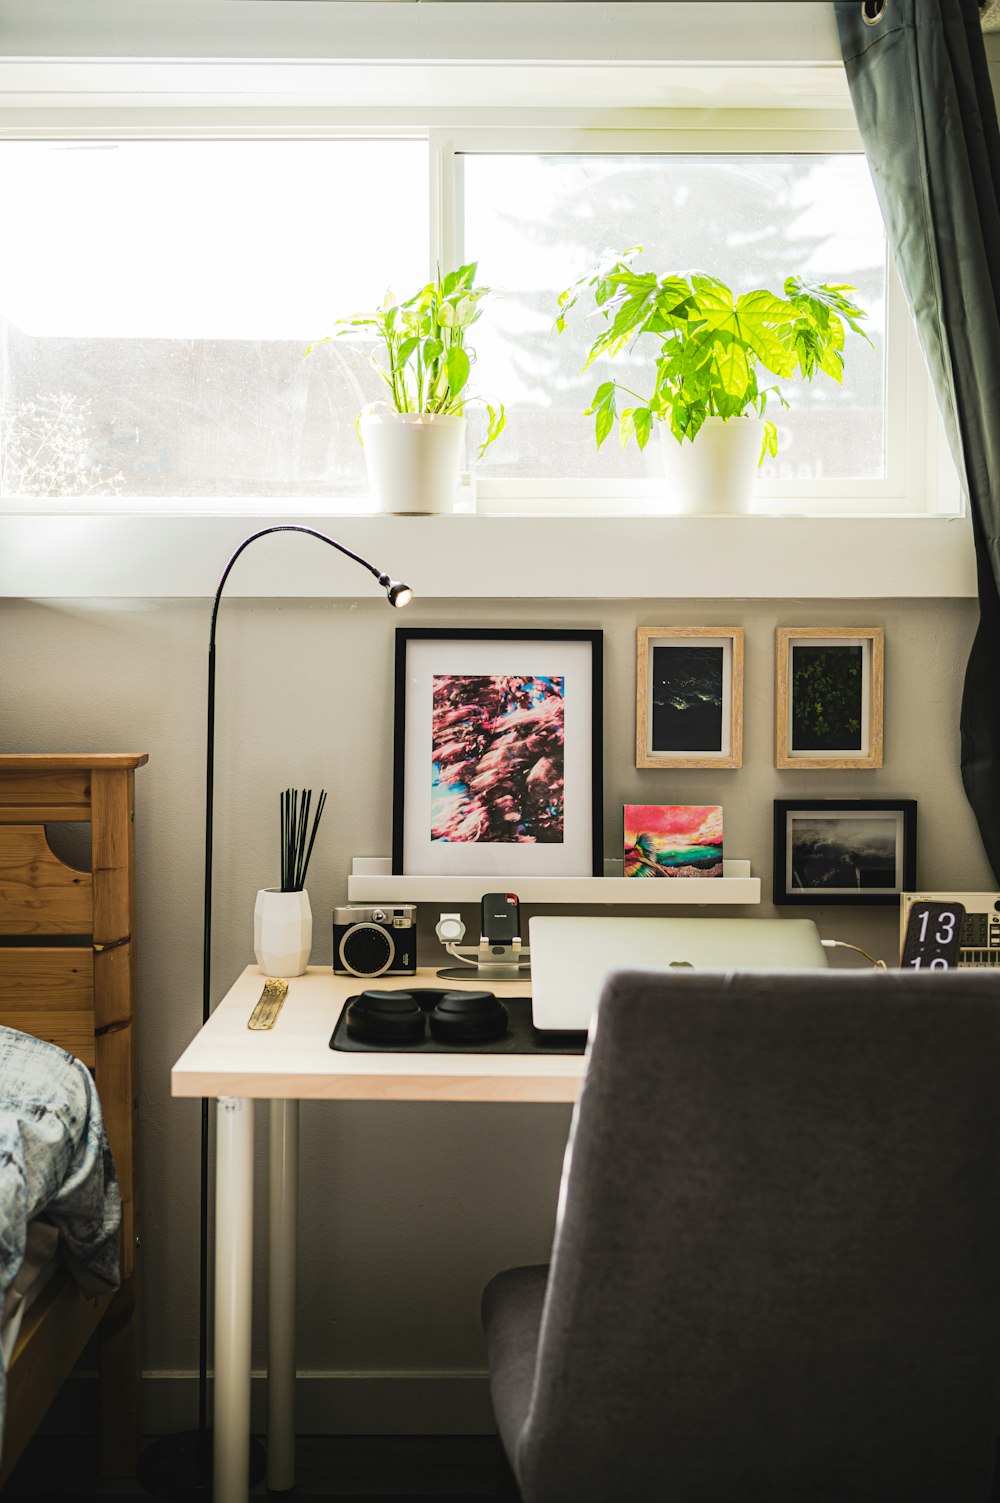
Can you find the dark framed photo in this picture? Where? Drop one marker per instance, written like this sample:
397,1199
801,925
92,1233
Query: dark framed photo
844,850
829,694
497,767
689,696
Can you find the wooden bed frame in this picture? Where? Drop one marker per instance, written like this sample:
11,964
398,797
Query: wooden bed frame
67,974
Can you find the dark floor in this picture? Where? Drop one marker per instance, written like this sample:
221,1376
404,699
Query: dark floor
377,1469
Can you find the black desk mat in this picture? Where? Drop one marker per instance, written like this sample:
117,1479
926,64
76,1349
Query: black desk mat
522,1037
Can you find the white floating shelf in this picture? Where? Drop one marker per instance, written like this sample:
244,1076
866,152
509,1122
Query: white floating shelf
369,885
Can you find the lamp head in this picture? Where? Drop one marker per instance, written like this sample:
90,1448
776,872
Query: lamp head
399,594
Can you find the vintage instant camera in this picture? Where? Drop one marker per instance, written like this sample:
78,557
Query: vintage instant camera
372,939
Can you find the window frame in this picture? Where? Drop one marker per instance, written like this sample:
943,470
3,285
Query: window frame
160,549
920,481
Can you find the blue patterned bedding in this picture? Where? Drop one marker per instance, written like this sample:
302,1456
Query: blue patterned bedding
54,1162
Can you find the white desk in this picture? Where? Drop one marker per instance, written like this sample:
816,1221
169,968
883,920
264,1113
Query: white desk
290,1063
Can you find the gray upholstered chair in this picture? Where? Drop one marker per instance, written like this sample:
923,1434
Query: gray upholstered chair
776,1272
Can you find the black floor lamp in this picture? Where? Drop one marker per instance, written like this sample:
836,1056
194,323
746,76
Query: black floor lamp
180,1466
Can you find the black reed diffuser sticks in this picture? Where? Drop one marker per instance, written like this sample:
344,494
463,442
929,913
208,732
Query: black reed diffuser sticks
295,848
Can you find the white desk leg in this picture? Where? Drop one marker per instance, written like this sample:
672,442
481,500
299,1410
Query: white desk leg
282,1243
233,1298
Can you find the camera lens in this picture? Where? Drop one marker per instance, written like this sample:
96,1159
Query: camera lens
366,950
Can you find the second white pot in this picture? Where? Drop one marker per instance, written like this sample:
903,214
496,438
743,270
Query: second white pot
715,474
413,460
282,931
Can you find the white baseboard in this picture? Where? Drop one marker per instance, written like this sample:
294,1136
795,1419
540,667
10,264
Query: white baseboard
375,1403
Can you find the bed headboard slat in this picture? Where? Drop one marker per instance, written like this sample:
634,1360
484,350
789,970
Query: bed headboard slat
50,994
30,791
39,894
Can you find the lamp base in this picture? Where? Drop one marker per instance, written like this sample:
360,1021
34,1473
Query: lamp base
179,1467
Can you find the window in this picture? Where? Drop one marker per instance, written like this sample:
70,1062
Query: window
539,221
158,297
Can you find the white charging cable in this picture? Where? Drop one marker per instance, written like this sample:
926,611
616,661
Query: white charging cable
841,944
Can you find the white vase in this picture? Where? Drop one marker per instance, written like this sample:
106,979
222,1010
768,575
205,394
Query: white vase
715,473
282,931
413,460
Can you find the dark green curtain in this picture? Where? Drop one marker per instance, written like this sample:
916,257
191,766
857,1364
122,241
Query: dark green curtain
921,91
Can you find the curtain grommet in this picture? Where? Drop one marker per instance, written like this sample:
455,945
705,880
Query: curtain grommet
872,11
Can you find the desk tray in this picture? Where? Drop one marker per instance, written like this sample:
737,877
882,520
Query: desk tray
522,1037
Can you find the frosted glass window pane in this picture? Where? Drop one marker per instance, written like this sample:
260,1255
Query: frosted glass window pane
536,222
157,299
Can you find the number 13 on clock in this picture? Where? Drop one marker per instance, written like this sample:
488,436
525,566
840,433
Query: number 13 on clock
933,937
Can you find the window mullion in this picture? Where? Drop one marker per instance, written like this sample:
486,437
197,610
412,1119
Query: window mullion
446,216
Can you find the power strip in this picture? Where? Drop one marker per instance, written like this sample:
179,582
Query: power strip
980,945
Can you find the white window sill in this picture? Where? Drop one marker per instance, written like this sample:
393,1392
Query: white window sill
181,553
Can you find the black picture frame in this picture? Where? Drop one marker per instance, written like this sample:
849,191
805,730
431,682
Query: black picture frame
576,658
820,869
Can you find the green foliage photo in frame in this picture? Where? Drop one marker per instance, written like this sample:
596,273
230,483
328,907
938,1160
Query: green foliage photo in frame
829,696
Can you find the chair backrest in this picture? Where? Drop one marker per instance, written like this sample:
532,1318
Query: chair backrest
776,1274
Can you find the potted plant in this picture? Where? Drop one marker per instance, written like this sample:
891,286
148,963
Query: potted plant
414,440
716,353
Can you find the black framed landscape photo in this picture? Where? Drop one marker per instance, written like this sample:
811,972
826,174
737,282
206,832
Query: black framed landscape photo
829,695
840,851
689,696
498,750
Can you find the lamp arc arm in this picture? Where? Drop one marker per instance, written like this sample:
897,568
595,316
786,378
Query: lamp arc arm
384,579
399,594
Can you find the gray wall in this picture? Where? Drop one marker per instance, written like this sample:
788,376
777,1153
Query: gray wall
416,1205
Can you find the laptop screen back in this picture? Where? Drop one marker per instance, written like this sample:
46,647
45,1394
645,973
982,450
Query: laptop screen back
571,957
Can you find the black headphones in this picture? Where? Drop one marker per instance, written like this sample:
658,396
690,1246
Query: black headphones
400,1017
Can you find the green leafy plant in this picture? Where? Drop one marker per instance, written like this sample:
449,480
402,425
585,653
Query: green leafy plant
714,346
425,359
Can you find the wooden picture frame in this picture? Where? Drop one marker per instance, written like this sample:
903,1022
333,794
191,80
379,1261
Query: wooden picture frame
829,690
476,699
665,654
856,852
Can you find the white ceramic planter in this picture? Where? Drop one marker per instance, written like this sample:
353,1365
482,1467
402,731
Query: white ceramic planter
715,474
413,460
282,931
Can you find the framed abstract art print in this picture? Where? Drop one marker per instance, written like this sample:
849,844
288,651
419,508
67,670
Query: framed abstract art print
498,753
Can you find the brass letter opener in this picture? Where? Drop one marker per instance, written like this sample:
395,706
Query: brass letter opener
267,1009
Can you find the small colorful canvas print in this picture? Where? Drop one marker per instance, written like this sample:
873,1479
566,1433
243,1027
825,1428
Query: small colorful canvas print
497,758
673,840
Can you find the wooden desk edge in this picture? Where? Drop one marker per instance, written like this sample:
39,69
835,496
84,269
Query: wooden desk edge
380,1087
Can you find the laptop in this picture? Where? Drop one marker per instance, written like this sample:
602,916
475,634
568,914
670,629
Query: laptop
571,957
